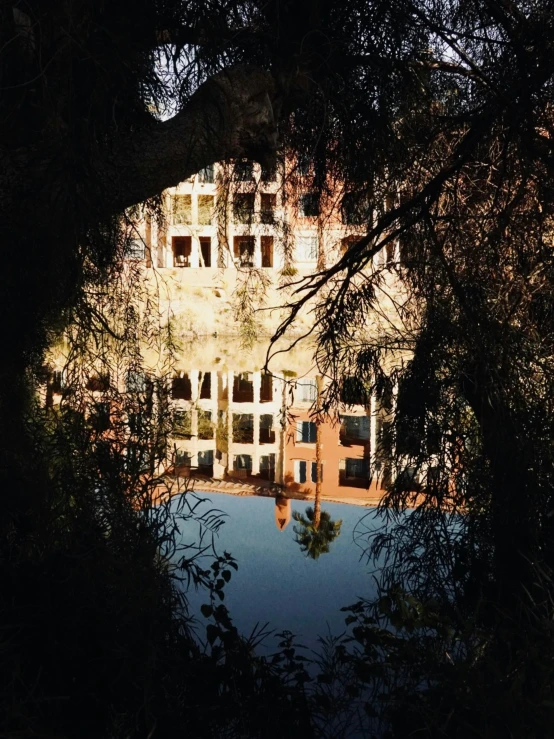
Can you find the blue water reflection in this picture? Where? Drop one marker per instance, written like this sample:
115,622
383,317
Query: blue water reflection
276,582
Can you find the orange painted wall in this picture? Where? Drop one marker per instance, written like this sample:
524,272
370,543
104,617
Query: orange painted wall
332,451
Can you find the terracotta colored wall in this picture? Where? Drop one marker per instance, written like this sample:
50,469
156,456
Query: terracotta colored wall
332,451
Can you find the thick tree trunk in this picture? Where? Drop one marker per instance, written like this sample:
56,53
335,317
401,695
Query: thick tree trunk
54,193
514,507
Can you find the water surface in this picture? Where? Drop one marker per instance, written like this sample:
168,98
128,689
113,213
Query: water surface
275,582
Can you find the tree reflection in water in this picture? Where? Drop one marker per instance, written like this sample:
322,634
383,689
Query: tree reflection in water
315,533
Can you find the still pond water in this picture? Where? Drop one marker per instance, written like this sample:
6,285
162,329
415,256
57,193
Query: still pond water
276,583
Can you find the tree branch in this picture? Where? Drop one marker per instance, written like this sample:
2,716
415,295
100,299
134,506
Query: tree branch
232,115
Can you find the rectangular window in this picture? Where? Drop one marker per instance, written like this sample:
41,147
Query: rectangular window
137,382
205,209
181,388
136,422
354,392
182,247
314,472
243,428
266,389
205,251
267,467
309,205
354,429
181,209
135,250
206,175
244,171
206,385
182,424
243,250
356,469
205,425
267,251
98,383
243,462
206,458
269,173
356,210
243,207
183,458
243,388
300,471
306,248
57,381
267,432
306,432
267,210
306,391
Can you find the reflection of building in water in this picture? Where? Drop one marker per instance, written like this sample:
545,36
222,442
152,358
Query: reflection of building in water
283,512
226,424
246,425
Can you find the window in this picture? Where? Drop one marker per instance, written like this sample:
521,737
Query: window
205,251
268,204
306,391
205,425
243,250
206,175
408,479
98,383
206,385
136,422
243,462
243,388
306,432
137,382
301,468
243,207
355,209
205,209
267,432
300,471
244,171
383,440
135,249
354,429
354,392
269,173
309,205
266,389
243,428
206,461
57,381
306,248
182,424
356,469
267,251
181,246
181,209
183,458
181,388
267,467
